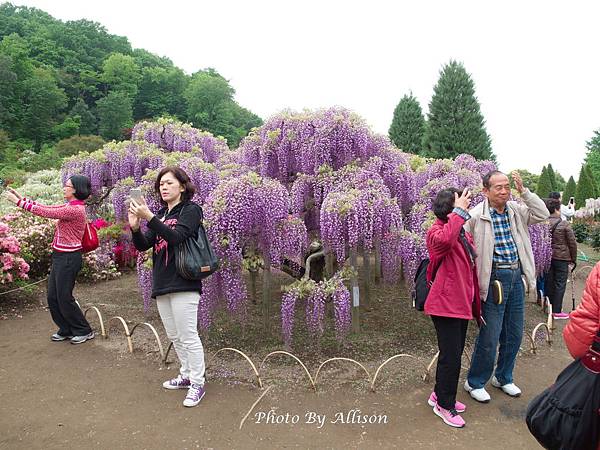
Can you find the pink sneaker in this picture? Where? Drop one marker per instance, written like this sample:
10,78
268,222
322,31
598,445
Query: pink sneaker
450,417
458,406
560,316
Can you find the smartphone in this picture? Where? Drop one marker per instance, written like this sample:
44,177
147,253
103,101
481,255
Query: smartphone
572,200
136,194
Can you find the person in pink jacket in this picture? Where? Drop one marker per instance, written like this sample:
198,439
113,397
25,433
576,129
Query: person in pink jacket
453,298
66,256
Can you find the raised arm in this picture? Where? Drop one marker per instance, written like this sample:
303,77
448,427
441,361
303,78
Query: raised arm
63,212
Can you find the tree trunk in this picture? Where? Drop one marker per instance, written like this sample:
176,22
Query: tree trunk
355,295
377,268
366,277
266,300
253,280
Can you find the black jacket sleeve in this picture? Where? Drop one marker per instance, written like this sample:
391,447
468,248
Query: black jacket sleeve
143,241
188,222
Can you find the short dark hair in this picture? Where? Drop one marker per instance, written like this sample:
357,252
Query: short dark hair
443,204
555,195
82,186
490,174
553,204
182,177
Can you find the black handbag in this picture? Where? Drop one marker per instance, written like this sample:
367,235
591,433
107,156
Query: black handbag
565,416
195,258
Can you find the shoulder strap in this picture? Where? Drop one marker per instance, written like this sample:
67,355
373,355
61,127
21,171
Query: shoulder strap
555,226
470,250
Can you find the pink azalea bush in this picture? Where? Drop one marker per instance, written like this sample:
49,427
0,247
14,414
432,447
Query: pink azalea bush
12,266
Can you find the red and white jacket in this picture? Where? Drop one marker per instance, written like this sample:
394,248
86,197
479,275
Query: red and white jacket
71,224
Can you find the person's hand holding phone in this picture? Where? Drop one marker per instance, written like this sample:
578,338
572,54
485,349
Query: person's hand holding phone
138,206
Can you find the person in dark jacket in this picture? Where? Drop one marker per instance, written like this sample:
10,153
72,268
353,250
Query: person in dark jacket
176,298
453,297
564,252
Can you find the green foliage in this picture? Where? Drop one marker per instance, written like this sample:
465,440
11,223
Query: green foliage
160,93
595,237
210,107
456,124
59,79
68,128
529,179
75,144
544,186
569,190
592,157
114,115
582,231
408,125
87,120
121,74
561,183
586,187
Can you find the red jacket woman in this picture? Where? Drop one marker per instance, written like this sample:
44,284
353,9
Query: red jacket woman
453,298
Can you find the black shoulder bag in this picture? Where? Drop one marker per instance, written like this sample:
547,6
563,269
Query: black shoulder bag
566,415
195,258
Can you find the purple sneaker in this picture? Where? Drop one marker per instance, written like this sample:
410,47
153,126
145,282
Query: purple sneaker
177,383
194,395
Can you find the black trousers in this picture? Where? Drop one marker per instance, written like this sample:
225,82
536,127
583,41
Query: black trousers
451,335
555,283
63,309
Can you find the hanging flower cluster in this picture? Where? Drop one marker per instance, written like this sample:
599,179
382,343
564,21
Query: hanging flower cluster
174,136
316,295
291,143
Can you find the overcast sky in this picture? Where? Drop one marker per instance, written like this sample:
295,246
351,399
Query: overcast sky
535,63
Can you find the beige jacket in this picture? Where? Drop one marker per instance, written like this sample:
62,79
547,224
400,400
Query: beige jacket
520,216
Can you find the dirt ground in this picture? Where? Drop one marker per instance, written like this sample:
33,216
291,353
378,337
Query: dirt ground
97,395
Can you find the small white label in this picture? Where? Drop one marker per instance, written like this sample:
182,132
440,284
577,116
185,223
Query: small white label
355,296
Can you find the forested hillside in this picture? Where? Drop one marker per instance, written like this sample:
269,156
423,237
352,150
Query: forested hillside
70,86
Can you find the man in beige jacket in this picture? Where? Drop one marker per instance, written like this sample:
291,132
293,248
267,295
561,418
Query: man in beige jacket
499,228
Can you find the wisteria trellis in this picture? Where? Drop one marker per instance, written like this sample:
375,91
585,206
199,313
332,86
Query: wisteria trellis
322,174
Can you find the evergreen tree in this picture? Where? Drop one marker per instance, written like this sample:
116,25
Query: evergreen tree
592,157
585,187
408,125
544,186
87,120
456,124
560,182
115,114
593,181
552,177
569,191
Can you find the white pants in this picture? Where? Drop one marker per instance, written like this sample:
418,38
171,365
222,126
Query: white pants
179,314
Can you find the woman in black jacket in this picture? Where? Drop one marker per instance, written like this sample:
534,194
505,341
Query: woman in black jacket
176,298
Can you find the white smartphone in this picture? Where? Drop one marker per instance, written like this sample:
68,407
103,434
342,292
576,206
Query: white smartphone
136,194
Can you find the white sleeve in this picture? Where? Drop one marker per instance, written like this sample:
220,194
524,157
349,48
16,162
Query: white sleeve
567,210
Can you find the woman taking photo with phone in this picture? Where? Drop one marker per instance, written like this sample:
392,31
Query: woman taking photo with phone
66,256
453,298
177,298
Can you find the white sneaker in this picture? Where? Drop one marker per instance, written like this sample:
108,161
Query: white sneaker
511,388
481,395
